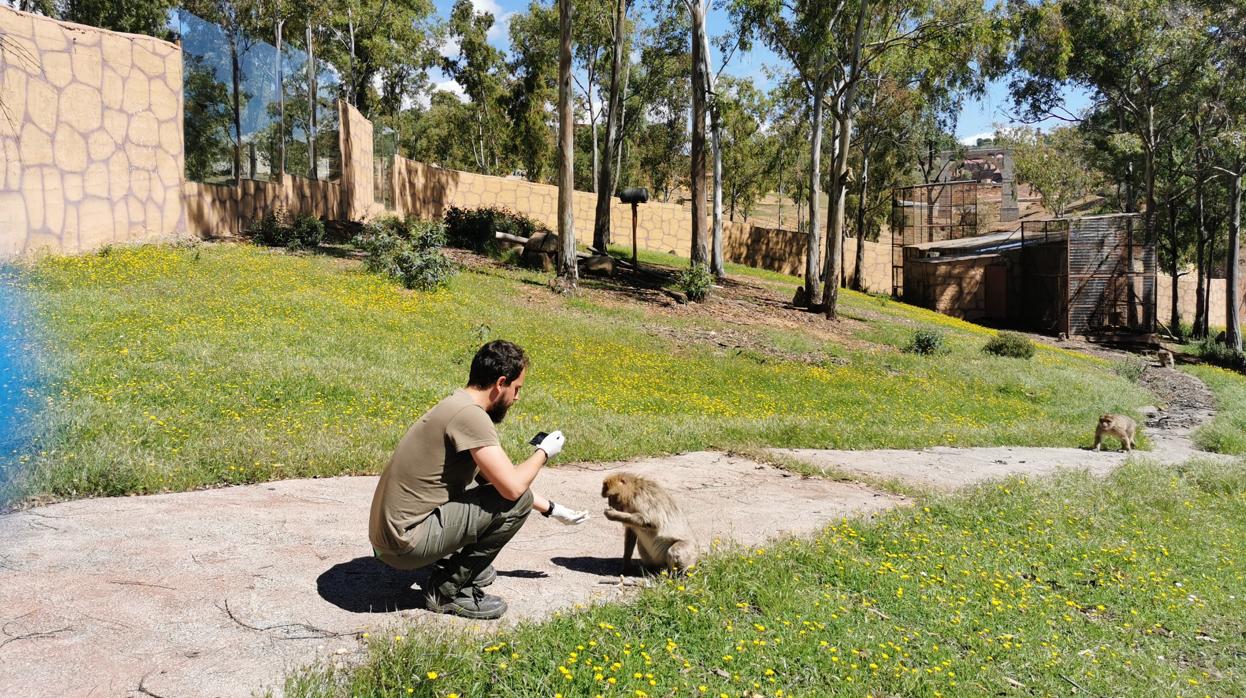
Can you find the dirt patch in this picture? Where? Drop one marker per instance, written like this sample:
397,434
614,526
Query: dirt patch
221,592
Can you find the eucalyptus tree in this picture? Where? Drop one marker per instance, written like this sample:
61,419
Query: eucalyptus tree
605,173
568,272
480,70
534,91
948,38
385,41
803,33
1133,56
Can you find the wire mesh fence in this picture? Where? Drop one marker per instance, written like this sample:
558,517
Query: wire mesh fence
930,213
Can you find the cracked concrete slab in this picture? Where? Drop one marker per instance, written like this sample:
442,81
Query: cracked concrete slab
222,592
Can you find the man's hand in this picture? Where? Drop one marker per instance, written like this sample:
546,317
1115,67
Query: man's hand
552,444
565,516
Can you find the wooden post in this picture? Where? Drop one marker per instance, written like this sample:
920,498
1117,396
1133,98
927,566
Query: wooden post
635,264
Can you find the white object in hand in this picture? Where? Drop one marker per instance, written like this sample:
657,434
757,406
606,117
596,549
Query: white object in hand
568,517
552,444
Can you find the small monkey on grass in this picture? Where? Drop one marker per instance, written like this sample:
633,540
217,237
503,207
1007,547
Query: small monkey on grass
1165,358
1117,425
651,521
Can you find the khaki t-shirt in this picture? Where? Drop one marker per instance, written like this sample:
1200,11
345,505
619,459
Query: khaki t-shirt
432,464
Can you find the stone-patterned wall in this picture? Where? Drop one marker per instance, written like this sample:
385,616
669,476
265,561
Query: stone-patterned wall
220,210
92,140
1187,287
426,191
355,137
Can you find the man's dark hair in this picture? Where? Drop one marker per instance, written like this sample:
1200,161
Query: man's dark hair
494,360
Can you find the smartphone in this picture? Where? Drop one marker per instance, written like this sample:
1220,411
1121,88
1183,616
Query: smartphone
540,436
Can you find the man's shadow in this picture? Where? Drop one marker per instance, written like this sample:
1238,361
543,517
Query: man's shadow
367,585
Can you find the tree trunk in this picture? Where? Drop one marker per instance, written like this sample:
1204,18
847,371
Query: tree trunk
716,236
1175,314
567,271
1232,301
236,72
281,105
1200,313
700,253
311,105
605,176
813,257
858,269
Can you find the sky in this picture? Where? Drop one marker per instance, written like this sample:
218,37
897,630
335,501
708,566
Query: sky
977,120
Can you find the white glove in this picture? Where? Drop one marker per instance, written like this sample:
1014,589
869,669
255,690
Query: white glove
565,516
552,444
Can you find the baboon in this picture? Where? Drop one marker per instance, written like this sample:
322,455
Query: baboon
1117,425
1165,358
651,522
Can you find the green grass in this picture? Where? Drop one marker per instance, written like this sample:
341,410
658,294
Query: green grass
1226,433
1062,586
174,368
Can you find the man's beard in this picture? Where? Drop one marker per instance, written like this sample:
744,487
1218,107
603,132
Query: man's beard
498,412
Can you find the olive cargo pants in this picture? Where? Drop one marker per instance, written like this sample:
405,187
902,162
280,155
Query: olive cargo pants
462,536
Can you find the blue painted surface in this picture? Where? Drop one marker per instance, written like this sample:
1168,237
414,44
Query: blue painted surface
17,373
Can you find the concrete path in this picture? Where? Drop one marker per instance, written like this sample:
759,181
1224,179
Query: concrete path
1169,428
222,592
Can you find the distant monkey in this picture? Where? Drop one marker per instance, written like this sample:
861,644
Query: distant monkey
1165,358
651,522
1117,425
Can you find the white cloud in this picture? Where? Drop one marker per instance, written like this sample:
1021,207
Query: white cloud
452,87
972,139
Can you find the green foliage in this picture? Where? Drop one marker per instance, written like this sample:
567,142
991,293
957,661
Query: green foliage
695,282
276,228
407,250
927,342
1010,344
475,228
1217,353
1056,163
307,231
961,595
1226,433
1130,368
207,121
133,16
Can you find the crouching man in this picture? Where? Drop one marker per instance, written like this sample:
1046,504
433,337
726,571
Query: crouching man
425,514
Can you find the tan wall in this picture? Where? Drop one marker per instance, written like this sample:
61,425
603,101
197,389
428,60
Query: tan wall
358,186
92,137
1187,298
876,266
426,191
219,210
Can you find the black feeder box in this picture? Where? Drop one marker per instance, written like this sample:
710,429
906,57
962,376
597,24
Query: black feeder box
634,196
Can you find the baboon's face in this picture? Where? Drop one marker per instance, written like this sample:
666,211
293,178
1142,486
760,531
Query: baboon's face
613,488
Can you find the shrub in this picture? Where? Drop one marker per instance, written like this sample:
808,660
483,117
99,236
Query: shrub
926,343
407,250
277,228
695,282
1222,355
273,227
307,231
1130,369
474,228
1017,346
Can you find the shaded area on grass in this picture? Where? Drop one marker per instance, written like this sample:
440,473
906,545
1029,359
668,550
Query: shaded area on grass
1125,586
178,368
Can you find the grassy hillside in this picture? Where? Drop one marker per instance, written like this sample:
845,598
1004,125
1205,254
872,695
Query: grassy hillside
173,368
